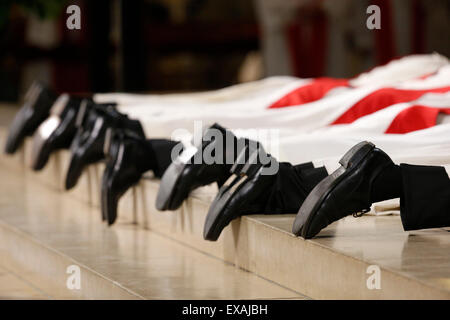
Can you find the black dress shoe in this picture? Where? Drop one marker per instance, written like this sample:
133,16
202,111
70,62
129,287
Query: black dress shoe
189,171
35,110
57,131
245,192
346,191
88,143
128,156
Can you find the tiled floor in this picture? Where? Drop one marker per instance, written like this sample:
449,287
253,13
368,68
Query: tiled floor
13,286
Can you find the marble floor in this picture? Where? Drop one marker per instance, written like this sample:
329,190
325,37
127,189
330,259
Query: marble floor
14,286
114,261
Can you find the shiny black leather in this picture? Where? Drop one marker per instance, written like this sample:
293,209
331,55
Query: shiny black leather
245,192
87,145
127,158
183,176
34,111
346,191
57,131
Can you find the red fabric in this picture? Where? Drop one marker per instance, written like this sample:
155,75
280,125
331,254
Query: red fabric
316,90
381,99
425,76
415,118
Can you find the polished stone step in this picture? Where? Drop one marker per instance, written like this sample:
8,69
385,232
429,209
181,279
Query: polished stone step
17,282
413,265
47,233
335,265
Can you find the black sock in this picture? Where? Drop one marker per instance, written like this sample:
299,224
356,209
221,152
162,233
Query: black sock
291,186
161,152
388,184
311,176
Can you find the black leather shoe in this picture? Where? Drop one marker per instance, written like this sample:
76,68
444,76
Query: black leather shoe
57,131
88,143
244,193
35,110
128,156
346,191
189,171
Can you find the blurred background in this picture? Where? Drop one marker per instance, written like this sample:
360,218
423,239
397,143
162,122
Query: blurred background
192,45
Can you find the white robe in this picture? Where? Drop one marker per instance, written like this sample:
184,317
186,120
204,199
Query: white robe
303,132
289,121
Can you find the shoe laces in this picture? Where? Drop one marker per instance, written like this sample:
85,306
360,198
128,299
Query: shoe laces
361,213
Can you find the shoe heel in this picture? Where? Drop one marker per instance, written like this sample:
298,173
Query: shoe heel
251,163
248,160
240,161
356,154
82,112
107,143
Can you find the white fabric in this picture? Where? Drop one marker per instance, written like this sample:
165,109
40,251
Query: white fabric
304,134
265,88
161,122
409,67
379,121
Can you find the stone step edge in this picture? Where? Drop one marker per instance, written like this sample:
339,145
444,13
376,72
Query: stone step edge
52,265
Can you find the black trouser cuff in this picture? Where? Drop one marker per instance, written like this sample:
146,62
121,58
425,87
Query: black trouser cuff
425,200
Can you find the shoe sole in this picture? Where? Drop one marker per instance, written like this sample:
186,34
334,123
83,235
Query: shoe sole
169,186
17,132
321,192
169,195
173,190
79,160
215,218
24,124
109,199
74,171
216,221
60,137
103,194
110,203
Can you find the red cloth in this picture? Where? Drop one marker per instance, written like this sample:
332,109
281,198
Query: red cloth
316,90
381,99
415,118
